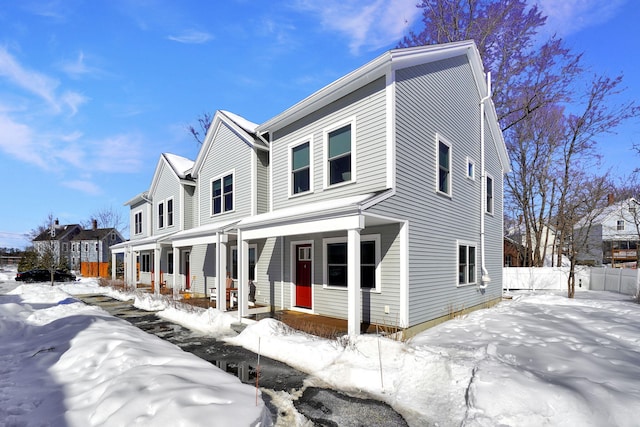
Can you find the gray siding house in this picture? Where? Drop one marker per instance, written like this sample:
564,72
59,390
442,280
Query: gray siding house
377,199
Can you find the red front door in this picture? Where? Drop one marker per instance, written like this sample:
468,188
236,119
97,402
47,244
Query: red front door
303,276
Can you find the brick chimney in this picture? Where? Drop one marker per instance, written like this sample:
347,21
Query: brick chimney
610,199
94,224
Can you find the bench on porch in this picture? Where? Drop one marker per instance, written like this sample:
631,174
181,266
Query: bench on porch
231,292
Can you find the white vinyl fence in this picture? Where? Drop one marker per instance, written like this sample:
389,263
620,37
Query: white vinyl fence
621,280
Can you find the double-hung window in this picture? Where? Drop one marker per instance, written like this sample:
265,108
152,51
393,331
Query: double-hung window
620,225
336,262
301,168
161,215
340,153
252,262
222,194
169,262
169,212
444,167
137,218
489,195
466,264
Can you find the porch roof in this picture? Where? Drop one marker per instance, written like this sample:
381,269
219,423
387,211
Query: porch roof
141,244
202,234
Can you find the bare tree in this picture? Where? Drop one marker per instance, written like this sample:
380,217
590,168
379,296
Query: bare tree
108,217
199,132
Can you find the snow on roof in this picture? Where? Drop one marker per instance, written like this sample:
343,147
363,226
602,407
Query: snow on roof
181,165
245,124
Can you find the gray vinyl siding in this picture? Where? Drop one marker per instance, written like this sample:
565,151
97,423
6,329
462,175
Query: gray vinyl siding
202,267
263,182
269,286
167,187
188,208
441,98
227,153
367,105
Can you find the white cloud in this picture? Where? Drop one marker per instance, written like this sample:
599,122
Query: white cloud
38,84
85,186
373,26
570,16
19,141
191,37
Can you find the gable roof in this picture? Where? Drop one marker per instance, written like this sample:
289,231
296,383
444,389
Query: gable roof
179,166
613,209
100,233
61,232
241,127
140,197
384,65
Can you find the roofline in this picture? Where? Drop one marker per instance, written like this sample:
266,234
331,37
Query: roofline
378,67
144,196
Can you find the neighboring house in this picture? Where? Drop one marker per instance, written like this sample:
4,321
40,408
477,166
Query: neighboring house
165,209
56,242
614,235
515,254
377,199
90,252
547,250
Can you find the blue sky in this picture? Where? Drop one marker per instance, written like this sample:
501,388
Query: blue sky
91,92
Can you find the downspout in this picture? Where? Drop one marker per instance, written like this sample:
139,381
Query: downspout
485,279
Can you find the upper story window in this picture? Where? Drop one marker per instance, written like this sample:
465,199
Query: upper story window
340,153
137,219
444,167
300,161
620,225
471,169
161,215
489,207
64,247
466,264
169,212
222,194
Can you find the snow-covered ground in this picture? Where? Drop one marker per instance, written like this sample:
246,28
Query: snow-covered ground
538,359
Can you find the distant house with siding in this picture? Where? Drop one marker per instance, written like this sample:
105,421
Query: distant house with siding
377,199
90,253
57,241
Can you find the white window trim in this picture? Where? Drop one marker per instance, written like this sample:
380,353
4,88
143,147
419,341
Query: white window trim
290,148
325,156
472,164
468,244
232,172
363,238
439,139
253,246
135,214
166,202
493,194
620,222
292,273
164,218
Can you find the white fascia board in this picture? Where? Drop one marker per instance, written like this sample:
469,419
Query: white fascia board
203,240
305,227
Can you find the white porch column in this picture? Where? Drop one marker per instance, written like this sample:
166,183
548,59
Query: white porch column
176,267
353,282
243,276
113,266
156,269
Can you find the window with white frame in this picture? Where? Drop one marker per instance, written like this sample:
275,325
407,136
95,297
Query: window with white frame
137,218
471,169
466,264
340,153
444,166
145,262
489,194
252,262
300,166
170,262
169,212
620,225
335,262
222,194
161,215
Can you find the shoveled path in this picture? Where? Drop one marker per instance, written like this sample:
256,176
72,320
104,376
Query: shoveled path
322,406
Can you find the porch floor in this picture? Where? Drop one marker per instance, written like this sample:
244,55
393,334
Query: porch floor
323,326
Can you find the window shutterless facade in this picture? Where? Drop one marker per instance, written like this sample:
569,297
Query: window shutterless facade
340,153
137,219
300,166
444,166
161,215
145,262
222,194
169,212
335,259
466,264
620,225
252,262
489,194
169,262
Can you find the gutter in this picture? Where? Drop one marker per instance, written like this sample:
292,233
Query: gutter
485,279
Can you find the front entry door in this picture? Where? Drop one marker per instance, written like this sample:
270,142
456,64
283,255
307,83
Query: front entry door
303,276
